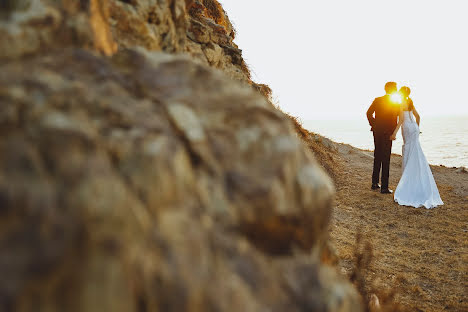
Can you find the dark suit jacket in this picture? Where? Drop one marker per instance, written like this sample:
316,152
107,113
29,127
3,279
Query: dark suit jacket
386,115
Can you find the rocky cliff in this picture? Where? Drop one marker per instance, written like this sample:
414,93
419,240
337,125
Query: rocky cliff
135,177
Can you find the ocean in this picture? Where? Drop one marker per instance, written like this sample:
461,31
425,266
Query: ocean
444,140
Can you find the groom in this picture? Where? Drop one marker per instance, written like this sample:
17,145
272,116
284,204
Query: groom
383,124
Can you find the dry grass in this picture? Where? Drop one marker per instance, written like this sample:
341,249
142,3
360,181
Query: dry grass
420,254
213,10
264,90
378,298
411,259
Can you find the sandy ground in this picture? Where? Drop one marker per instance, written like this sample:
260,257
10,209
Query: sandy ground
421,253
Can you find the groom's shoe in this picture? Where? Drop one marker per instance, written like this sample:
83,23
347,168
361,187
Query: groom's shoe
386,191
375,186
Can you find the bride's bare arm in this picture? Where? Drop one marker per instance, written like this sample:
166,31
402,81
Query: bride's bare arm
400,121
415,113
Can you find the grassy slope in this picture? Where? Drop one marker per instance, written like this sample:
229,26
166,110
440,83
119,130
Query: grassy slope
421,254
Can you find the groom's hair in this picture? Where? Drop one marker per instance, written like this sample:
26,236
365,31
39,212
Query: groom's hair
390,87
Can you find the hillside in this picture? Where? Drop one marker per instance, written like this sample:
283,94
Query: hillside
420,255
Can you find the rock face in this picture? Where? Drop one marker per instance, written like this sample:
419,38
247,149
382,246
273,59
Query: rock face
135,180
200,29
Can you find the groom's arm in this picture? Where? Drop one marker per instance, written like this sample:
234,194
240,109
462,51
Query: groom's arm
370,113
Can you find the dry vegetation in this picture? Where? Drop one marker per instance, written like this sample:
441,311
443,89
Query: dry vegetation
213,10
264,90
413,259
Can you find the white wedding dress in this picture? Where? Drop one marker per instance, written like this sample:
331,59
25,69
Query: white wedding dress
417,186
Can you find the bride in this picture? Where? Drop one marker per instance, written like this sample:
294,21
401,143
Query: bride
417,186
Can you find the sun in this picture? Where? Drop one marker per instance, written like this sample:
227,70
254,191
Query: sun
396,98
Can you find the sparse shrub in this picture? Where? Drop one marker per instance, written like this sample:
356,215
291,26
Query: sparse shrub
303,133
376,298
264,90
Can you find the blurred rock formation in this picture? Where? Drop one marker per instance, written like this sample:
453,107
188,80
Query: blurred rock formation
134,177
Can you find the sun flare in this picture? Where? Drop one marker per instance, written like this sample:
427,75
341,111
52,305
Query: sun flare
396,98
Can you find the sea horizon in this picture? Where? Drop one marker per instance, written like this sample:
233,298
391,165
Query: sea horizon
443,138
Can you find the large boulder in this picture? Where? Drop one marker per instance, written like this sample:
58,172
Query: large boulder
133,180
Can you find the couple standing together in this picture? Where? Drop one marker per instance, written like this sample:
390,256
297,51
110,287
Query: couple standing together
386,115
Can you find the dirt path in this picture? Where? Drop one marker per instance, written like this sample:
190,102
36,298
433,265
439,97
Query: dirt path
421,253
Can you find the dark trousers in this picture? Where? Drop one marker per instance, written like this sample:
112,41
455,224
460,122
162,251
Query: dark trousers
382,151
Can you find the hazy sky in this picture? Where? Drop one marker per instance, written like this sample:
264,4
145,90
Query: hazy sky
330,58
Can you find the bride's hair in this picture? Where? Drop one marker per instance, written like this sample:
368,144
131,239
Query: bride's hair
405,92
